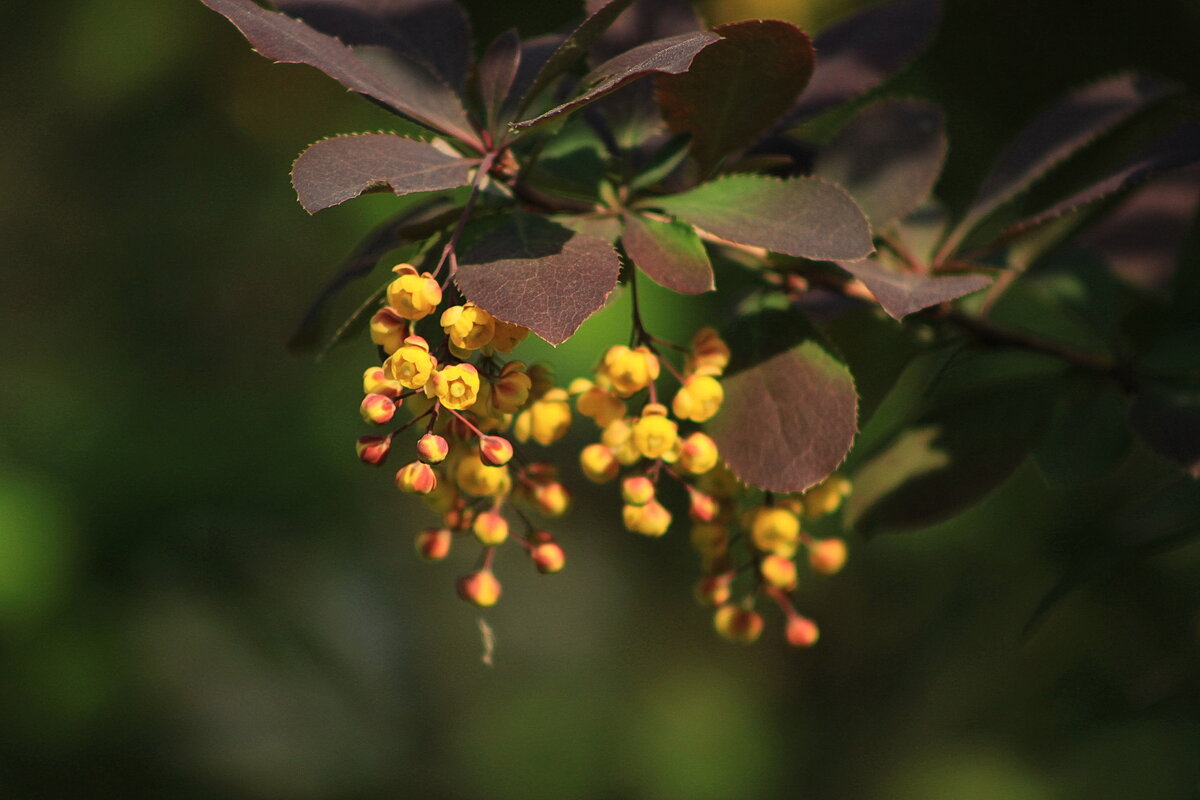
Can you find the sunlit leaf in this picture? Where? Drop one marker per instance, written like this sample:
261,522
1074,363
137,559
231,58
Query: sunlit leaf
804,217
669,252
901,293
530,271
888,157
737,88
343,167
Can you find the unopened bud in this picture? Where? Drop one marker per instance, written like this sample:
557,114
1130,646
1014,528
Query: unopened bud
548,557
702,507
373,450
827,556
433,544
495,451
432,449
479,588
637,490
491,528
377,409
714,590
779,572
598,463
417,478
737,624
802,631
552,499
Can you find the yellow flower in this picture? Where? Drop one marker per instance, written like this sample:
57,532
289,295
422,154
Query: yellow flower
413,296
739,625
629,370
654,434
618,437
510,390
417,477
479,588
649,520
507,336
601,406
698,399
478,479
598,463
468,326
637,490
388,329
376,381
826,498
698,454
546,421
412,364
775,530
456,386
490,528
710,355
779,571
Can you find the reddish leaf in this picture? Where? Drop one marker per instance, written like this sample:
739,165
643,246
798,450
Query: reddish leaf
575,46
789,419
737,88
862,50
497,71
527,270
901,294
1177,149
888,157
1168,419
670,56
343,167
644,21
1061,130
432,33
804,217
411,92
669,252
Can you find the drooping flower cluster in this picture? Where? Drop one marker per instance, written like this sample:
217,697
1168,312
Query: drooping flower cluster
642,440
463,466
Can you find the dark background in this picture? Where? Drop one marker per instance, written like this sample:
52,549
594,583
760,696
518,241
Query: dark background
203,595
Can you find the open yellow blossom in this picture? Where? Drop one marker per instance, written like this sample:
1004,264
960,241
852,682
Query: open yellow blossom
413,296
456,386
698,454
698,399
478,479
507,336
412,364
546,421
651,519
389,329
629,370
775,530
598,463
654,434
510,390
601,406
376,381
468,326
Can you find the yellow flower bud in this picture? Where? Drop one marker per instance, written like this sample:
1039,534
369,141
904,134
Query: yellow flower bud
801,631
702,507
779,572
373,450
698,399
552,499
547,420
629,370
478,479
413,296
377,409
651,519
411,365
710,355
598,463
775,530
495,451
548,557
432,449
507,336
826,498
456,386
388,329
698,454
637,490
479,588
739,625
714,590
653,433
827,556
433,544
376,381
510,390
468,326
491,528
602,407
417,478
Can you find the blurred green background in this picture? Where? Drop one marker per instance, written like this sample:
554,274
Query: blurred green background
202,594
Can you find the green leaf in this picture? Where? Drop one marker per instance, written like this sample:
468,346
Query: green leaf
887,157
790,410
804,217
669,252
737,88
530,271
1088,432
340,168
1167,418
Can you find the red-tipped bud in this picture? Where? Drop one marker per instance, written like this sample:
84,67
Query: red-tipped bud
738,624
495,451
491,528
779,571
432,449
479,588
702,507
714,590
377,409
552,499
433,544
827,556
802,631
373,450
637,490
548,557
417,478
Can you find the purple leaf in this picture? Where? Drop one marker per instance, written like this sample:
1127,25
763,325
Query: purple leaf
669,252
901,294
1168,420
861,51
669,56
497,71
804,217
432,33
534,55
737,88
413,225
335,170
574,47
527,270
888,157
410,92
644,21
1177,149
1061,130
788,420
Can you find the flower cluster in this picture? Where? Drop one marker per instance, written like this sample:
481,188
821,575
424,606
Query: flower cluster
642,440
462,467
